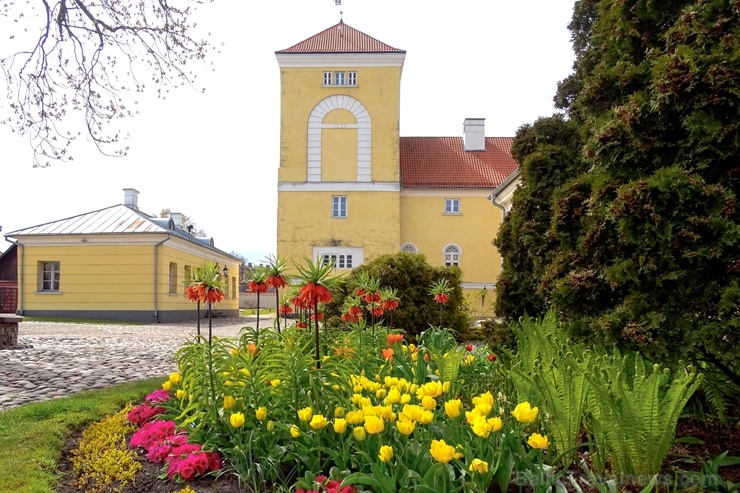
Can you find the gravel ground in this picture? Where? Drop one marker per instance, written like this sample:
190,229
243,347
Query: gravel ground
60,359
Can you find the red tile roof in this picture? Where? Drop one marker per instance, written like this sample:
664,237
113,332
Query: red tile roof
441,162
341,38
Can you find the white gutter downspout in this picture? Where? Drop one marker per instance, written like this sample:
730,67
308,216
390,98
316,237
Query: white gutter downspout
156,276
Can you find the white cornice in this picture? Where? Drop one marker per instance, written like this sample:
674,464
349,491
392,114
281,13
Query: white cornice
340,59
374,186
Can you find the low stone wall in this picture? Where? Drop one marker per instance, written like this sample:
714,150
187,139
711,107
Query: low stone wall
9,331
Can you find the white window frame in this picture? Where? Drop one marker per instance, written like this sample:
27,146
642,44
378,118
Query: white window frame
49,276
409,248
452,206
451,255
327,78
340,78
349,257
351,78
339,206
173,278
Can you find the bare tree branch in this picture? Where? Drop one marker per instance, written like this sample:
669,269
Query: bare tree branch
87,56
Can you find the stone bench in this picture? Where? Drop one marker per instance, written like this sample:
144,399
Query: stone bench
9,331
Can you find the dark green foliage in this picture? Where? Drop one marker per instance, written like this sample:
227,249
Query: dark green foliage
548,151
412,275
639,245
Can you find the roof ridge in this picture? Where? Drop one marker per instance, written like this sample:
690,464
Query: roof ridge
340,38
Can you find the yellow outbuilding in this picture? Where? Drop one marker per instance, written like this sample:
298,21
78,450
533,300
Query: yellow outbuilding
351,189
117,263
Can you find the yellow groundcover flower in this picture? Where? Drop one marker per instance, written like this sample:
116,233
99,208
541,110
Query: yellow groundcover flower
229,401
441,451
525,413
479,466
386,453
340,425
295,432
237,420
359,433
538,441
374,425
318,422
261,413
305,414
453,408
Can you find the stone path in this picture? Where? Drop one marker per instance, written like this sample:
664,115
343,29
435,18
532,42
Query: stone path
67,358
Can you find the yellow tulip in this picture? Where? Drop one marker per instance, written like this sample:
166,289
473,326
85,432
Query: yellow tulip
167,385
453,408
180,393
426,417
394,396
359,433
481,427
229,402
479,466
525,413
428,402
374,425
355,417
538,441
305,414
340,425
380,394
406,427
405,398
318,422
261,413
339,412
270,426
496,423
236,420
446,387
175,377
386,453
441,451
295,432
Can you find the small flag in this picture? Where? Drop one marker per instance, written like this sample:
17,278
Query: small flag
337,2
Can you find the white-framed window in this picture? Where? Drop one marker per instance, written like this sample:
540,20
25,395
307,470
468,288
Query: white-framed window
50,276
452,255
339,206
338,260
327,78
351,78
173,278
452,206
409,248
339,78
340,257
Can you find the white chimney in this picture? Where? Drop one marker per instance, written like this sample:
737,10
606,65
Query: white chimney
177,218
131,198
474,134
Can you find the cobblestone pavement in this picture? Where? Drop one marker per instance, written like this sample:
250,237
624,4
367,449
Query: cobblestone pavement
62,358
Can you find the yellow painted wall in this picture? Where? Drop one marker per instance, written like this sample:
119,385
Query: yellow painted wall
109,278
378,89
304,221
339,154
424,223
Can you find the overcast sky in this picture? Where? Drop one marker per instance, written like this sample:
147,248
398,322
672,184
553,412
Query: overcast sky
214,155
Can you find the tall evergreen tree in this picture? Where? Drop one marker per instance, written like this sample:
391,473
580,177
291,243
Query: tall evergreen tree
646,239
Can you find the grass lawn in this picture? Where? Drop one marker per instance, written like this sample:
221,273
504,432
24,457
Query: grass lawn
32,436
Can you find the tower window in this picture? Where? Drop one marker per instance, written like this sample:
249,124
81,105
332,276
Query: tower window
327,78
339,78
452,206
339,206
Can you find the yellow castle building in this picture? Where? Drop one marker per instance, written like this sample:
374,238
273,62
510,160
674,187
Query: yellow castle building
351,189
